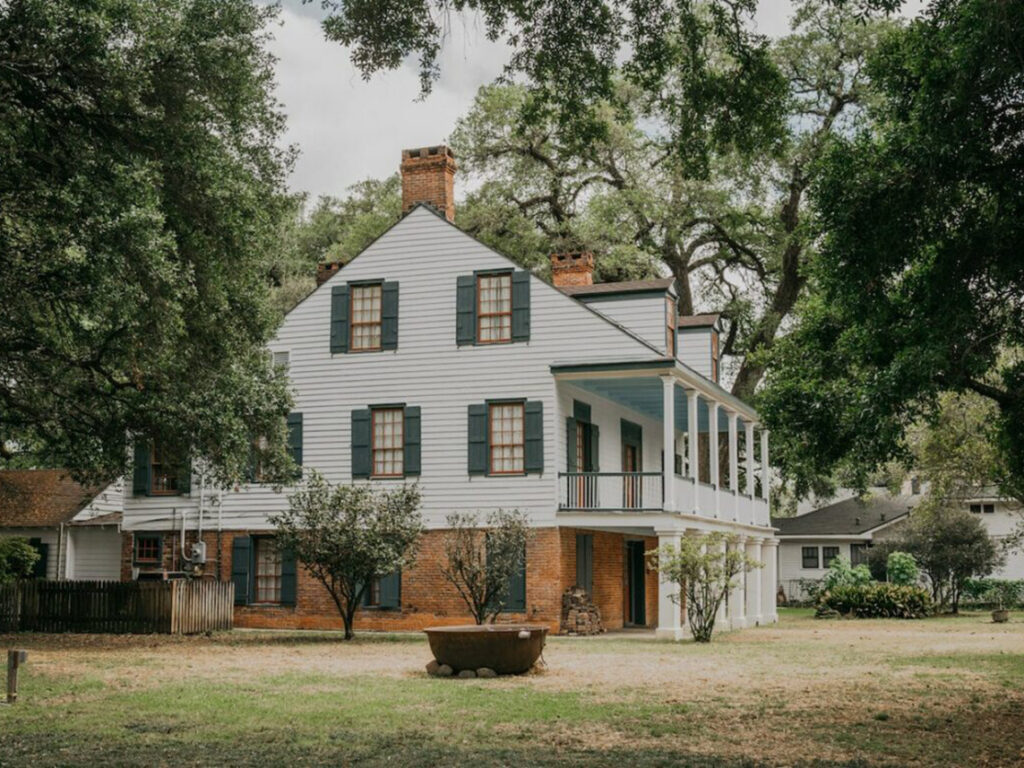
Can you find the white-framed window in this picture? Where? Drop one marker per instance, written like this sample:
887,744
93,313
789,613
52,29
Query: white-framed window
366,317
507,438
494,311
388,440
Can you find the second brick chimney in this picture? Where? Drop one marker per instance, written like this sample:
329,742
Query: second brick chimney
428,176
571,269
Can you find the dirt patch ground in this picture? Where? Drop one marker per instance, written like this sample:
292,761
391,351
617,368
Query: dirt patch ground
937,692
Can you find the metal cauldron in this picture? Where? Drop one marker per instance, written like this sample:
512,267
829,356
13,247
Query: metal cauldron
508,649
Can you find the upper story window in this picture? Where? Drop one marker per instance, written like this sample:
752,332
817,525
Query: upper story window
714,356
494,314
388,445
988,509
163,470
508,444
670,327
365,327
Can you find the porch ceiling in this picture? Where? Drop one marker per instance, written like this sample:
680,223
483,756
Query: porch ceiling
644,395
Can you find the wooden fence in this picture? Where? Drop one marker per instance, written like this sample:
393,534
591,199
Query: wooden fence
116,607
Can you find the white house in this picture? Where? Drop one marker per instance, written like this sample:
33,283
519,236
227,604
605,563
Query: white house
431,358
75,529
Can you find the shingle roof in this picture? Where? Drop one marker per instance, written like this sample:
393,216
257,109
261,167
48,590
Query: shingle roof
40,498
850,517
698,321
625,286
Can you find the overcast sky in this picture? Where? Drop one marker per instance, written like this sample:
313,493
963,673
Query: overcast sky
347,130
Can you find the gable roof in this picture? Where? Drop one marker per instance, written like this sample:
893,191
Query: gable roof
851,517
625,286
41,498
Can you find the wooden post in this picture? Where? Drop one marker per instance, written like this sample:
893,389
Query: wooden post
14,660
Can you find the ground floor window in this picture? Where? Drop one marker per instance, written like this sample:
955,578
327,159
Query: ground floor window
828,554
148,549
267,558
809,557
859,553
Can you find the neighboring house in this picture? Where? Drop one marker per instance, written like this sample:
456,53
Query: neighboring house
76,529
810,541
1003,518
431,358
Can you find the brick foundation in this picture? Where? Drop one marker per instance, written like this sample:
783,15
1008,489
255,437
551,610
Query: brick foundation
427,599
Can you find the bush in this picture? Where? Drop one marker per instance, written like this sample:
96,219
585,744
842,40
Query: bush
841,574
901,568
17,559
1001,592
877,600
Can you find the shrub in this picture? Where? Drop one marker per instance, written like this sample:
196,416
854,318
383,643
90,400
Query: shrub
1005,593
901,568
840,574
17,559
877,600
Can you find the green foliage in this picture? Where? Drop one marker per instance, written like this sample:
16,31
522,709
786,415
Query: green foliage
918,286
481,561
901,568
1003,593
141,191
877,600
348,535
18,558
841,573
705,568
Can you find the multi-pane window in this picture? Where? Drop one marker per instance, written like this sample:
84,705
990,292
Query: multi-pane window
828,554
494,312
147,549
507,438
163,470
809,557
388,440
268,570
365,325
859,553
670,327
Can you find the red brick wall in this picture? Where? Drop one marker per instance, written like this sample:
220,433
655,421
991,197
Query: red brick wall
427,598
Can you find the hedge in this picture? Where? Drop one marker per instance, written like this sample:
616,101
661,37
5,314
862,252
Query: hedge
877,600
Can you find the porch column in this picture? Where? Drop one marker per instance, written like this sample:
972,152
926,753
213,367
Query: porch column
693,439
753,580
722,618
734,464
715,475
749,447
670,616
769,584
738,599
765,468
668,429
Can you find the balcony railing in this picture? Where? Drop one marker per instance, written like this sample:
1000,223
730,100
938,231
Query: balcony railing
632,491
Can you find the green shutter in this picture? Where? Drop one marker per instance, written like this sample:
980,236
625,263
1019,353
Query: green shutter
241,555
465,311
595,441
391,590
517,589
389,316
361,442
570,445
581,411
339,318
295,438
289,578
140,470
520,306
478,439
411,430
534,429
39,569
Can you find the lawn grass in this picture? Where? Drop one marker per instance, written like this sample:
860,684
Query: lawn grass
939,692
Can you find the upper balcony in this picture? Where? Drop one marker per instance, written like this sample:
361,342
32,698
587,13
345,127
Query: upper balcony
631,425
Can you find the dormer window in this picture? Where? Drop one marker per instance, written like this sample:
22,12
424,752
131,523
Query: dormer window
365,327
494,314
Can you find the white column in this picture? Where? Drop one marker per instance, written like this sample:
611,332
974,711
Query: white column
753,580
670,617
734,461
750,457
738,599
693,443
668,427
769,584
765,470
724,610
713,455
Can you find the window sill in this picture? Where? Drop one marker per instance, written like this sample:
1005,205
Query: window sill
380,608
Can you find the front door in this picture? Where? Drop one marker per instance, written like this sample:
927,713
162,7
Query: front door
636,573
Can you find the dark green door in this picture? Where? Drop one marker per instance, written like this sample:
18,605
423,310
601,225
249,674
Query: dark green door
636,574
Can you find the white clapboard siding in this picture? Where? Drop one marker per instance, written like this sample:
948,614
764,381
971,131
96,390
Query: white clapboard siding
694,349
94,553
425,255
643,314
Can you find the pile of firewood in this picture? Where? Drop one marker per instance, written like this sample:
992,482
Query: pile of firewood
579,615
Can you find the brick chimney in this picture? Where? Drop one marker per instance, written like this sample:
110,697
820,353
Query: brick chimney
428,176
324,270
571,269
